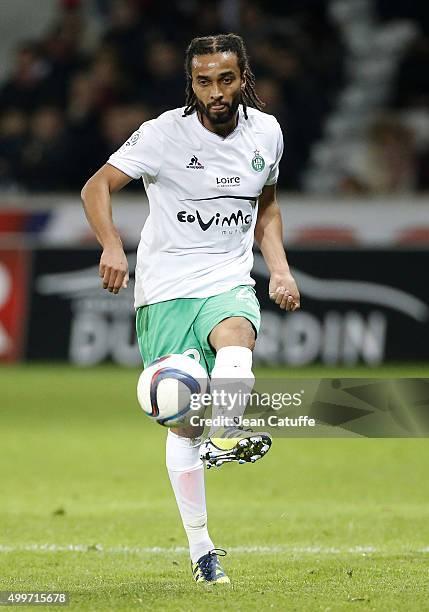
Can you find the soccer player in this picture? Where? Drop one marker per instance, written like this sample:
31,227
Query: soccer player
210,172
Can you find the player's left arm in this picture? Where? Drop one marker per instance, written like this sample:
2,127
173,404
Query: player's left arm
269,237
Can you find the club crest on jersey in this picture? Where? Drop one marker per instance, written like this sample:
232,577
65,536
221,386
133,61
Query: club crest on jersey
195,164
258,162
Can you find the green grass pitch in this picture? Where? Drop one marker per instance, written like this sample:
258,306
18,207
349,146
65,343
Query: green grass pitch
86,507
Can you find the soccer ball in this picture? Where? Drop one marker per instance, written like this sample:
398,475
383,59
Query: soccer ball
165,387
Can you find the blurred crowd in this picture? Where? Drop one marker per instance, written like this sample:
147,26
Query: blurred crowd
394,156
74,96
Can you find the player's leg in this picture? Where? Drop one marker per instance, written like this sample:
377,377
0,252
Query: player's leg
233,341
159,334
227,327
186,472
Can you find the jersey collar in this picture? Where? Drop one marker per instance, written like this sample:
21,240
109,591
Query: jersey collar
211,136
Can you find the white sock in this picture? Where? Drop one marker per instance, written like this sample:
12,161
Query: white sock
232,374
186,473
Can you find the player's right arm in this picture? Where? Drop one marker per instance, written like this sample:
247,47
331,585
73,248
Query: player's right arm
96,197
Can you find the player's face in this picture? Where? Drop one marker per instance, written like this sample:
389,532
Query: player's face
217,84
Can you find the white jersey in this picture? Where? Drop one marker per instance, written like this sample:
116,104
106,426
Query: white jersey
203,195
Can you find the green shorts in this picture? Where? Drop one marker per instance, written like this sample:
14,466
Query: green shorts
184,325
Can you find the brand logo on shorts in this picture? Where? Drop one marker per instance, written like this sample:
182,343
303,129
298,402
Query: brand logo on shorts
243,294
258,162
195,164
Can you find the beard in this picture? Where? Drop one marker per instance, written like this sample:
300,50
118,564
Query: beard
225,116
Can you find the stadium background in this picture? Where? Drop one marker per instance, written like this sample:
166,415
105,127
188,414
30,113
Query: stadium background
347,81
86,507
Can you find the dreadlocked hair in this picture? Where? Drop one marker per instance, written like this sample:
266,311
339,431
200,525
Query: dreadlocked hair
221,43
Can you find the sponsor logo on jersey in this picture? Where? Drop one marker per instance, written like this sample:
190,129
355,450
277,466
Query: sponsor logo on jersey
236,219
195,164
258,162
228,181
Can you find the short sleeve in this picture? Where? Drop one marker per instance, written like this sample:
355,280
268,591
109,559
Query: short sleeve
274,171
141,154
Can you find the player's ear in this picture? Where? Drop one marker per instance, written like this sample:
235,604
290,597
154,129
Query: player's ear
190,82
243,81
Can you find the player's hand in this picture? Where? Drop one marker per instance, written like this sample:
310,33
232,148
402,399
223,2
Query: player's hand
114,269
284,291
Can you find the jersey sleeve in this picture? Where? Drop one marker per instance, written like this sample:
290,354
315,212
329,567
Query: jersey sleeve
141,154
274,171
